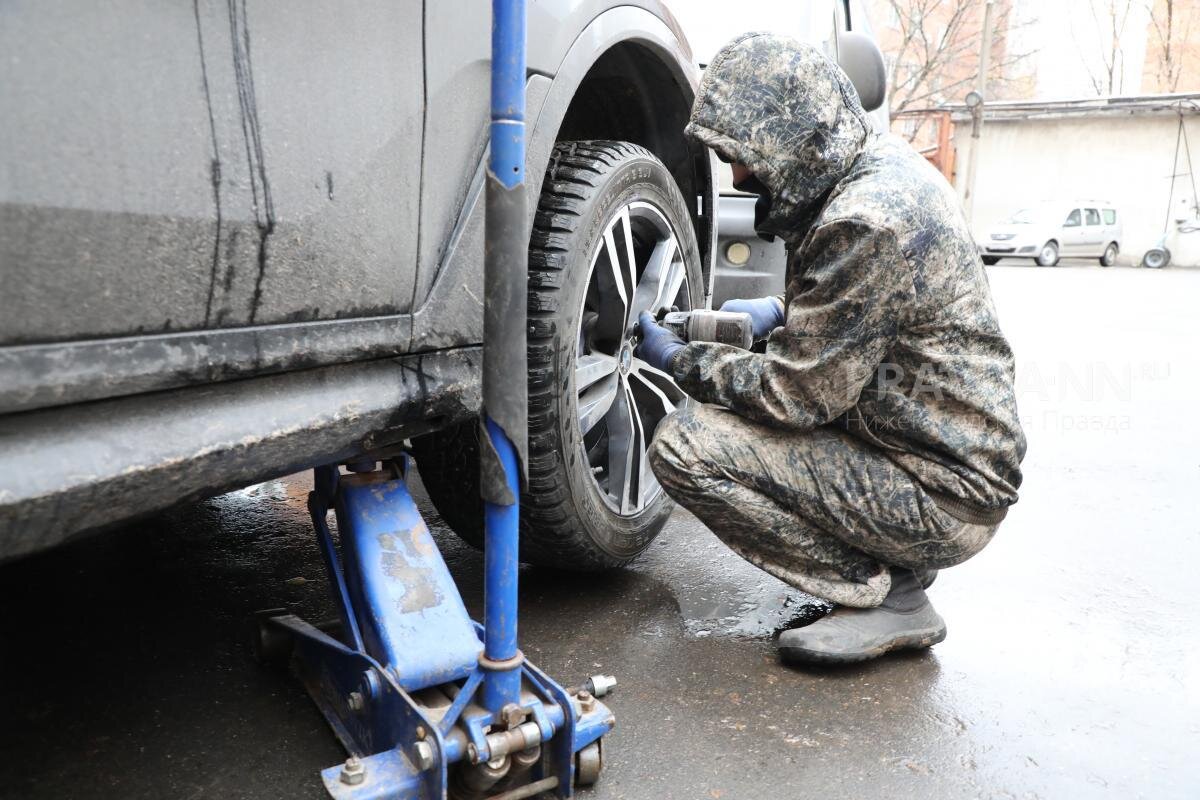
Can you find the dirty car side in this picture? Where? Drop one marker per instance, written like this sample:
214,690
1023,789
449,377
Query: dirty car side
237,241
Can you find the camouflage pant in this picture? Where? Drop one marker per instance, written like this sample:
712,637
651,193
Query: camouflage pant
820,510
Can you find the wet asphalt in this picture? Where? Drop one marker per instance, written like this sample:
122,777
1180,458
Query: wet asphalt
1072,667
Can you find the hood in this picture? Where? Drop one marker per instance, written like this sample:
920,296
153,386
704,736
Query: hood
788,113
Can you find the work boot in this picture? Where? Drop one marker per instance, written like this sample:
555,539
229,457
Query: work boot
926,577
904,621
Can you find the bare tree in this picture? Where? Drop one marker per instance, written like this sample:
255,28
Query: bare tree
1110,18
1171,24
935,55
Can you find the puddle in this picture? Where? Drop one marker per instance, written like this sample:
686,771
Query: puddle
742,618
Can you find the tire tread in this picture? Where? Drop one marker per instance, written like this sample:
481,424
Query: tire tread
551,532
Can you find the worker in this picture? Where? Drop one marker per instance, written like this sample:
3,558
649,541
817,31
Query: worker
876,438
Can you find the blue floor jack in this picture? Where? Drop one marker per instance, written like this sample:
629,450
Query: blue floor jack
427,703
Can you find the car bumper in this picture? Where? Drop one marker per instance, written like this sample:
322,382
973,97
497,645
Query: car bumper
1018,249
763,270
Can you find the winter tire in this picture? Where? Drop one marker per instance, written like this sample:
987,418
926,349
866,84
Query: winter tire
612,236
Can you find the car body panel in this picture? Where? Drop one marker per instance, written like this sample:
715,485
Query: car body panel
762,272
212,166
34,375
69,470
459,284
319,376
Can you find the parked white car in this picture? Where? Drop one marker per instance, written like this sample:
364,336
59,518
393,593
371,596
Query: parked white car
1084,229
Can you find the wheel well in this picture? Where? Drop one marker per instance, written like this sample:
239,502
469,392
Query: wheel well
631,94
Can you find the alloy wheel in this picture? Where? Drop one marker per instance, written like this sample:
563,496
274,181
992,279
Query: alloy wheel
620,399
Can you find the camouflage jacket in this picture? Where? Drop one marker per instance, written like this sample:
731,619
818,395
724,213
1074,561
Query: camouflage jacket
890,329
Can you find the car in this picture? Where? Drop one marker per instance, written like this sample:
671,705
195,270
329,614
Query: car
240,241
1046,233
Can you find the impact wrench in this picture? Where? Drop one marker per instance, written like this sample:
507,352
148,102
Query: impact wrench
723,327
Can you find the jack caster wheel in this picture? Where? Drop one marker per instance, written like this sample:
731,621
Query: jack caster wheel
588,763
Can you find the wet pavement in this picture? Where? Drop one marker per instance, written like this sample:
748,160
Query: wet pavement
1072,668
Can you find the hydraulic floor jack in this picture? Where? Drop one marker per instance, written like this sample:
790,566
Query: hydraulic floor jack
409,686
427,703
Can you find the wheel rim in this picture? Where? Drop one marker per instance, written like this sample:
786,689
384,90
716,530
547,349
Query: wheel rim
1048,253
638,266
1110,254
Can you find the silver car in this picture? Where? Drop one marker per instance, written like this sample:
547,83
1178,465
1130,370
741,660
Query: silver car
1046,233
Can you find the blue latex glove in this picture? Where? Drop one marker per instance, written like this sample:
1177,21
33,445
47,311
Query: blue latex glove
659,346
766,313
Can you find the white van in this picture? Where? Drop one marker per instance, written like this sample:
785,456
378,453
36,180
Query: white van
1083,229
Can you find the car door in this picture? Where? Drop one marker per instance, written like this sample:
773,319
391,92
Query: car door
327,132
1112,226
1071,233
1093,233
174,169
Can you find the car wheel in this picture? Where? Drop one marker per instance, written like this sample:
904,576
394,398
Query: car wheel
1110,255
991,261
1156,258
1048,256
612,236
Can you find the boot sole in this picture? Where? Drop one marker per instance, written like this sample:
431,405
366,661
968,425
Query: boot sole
914,641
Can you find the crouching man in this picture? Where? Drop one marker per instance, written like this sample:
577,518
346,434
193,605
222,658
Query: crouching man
876,440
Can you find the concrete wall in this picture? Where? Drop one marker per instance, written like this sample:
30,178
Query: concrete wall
1123,159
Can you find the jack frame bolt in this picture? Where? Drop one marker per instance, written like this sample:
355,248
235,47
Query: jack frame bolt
355,701
424,756
587,703
353,771
512,715
473,753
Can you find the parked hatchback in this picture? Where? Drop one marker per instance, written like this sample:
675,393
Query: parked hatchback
1046,233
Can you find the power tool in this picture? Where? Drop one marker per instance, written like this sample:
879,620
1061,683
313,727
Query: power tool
723,327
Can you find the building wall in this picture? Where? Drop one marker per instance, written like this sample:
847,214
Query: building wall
1126,160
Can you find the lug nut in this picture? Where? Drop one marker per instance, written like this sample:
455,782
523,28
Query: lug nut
353,771
355,701
600,685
